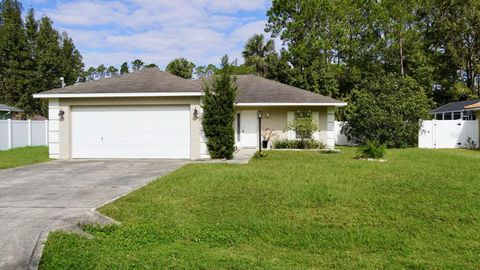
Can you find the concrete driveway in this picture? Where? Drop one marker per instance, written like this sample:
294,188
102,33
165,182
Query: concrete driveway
40,198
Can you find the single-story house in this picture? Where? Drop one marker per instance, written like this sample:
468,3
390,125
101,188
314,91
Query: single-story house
153,114
455,111
475,109
7,112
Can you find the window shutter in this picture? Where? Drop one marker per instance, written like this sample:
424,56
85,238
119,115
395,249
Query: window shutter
290,118
316,120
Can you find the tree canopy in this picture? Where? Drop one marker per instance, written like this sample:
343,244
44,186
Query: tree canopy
181,67
332,46
34,57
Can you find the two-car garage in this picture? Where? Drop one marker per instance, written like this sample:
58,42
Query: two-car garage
130,132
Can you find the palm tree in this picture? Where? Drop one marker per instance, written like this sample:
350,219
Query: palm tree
257,51
181,67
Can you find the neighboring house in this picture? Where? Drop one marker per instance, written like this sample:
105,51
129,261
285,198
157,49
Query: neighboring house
7,112
153,114
475,108
455,125
455,111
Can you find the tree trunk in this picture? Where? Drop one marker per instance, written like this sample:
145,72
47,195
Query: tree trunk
402,70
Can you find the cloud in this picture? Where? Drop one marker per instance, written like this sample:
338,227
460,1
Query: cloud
157,31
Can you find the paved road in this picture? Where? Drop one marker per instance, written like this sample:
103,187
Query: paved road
39,198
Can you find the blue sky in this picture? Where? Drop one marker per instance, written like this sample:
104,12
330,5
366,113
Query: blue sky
156,31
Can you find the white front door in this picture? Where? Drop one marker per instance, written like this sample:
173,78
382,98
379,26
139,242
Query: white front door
131,132
248,129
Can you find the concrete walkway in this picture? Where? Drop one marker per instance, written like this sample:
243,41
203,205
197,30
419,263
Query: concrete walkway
241,156
37,199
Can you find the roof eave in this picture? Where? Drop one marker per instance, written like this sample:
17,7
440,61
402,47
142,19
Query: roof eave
102,95
272,104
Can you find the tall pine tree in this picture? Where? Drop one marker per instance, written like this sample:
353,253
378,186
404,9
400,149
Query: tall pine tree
17,80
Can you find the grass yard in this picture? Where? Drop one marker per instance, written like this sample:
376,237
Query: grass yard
293,210
23,156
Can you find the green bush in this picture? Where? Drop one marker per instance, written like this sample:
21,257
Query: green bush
373,150
294,144
260,154
387,110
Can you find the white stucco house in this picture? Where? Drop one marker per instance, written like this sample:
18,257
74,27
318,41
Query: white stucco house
153,114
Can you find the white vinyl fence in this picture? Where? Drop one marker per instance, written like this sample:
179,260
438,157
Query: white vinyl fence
20,133
449,134
340,138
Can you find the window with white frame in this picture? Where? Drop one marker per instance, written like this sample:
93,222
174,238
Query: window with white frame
302,114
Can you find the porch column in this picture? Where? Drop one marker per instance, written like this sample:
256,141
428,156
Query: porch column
330,127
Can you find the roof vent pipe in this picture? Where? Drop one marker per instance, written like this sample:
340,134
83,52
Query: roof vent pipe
63,81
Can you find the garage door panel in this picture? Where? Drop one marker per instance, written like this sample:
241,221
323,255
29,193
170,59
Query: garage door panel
131,132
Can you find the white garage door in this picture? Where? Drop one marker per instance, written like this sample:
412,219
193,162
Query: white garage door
131,132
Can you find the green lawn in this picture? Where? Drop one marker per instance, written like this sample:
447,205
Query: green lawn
293,210
23,156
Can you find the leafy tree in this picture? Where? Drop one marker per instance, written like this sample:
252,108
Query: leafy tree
181,67
455,28
388,112
91,73
112,71
205,71
152,66
256,53
101,71
137,65
124,68
333,45
219,112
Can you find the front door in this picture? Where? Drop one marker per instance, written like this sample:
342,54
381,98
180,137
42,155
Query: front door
248,129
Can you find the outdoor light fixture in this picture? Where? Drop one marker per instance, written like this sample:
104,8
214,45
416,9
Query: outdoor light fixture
260,116
267,114
195,114
61,113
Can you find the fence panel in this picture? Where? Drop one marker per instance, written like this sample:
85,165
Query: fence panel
340,138
39,133
4,135
448,134
20,133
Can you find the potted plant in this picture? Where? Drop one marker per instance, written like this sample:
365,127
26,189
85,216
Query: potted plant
267,135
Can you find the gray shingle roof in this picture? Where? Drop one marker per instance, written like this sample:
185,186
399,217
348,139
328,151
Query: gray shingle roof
149,80
454,106
6,108
252,89
255,89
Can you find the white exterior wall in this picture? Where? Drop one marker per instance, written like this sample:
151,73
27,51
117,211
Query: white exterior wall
340,138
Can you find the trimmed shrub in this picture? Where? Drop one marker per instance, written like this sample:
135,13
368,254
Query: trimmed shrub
372,149
219,112
297,144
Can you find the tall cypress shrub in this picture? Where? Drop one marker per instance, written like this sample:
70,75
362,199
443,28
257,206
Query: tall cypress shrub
219,112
